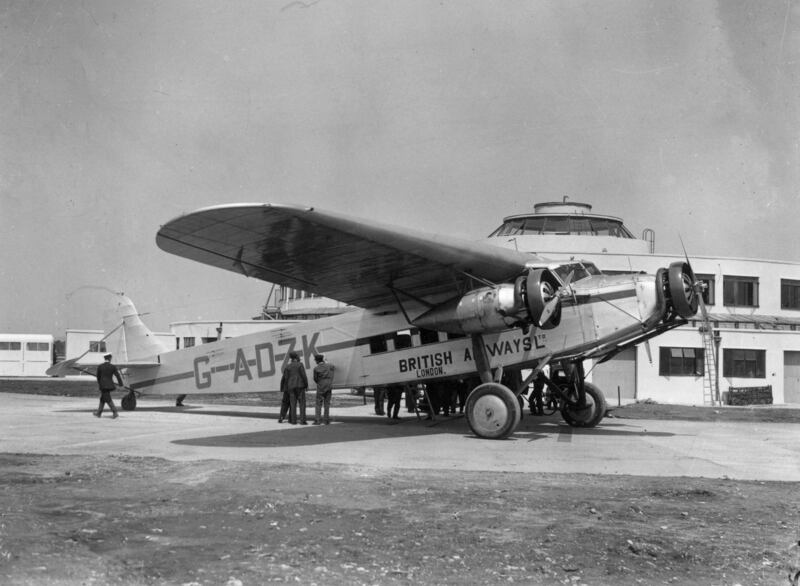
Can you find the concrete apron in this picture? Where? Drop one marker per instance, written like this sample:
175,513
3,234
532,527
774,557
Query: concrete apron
39,424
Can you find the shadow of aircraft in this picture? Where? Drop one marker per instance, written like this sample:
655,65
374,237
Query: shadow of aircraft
352,428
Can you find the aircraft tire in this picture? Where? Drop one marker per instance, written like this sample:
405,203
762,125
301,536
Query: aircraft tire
586,417
129,401
493,411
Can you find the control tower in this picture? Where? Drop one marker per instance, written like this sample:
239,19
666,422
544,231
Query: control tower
565,229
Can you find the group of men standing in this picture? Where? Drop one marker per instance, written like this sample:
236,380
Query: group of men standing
294,384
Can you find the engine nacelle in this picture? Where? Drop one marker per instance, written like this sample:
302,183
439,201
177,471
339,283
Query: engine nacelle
498,308
682,289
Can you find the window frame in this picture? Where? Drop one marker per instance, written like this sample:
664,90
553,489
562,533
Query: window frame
730,361
37,346
731,286
98,346
691,364
794,284
710,290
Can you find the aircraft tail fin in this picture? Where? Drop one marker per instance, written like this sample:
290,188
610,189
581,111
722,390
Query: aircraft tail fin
131,343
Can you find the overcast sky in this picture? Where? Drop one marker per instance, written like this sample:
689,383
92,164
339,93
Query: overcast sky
118,115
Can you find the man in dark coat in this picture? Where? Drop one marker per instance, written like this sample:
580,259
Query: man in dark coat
106,373
323,376
294,377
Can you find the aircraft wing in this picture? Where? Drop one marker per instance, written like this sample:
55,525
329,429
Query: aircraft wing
334,255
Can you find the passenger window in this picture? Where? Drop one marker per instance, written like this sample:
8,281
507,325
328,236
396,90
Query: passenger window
377,344
428,337
402,340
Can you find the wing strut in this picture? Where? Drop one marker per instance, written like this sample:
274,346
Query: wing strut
481,358
534,373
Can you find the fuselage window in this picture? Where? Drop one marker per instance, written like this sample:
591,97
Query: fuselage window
428,336
377,344
402,340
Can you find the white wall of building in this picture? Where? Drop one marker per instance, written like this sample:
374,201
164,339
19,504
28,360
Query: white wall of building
25,354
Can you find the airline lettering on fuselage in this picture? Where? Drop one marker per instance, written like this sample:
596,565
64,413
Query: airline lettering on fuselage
515,346
264,365
427,365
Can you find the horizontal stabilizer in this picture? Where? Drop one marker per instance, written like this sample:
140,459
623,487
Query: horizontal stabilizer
73,366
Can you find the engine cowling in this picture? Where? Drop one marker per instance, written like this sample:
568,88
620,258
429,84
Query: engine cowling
683,290
493,309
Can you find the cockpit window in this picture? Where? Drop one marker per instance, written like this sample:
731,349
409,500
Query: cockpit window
579,270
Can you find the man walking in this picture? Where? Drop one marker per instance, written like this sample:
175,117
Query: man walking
323,376
106,373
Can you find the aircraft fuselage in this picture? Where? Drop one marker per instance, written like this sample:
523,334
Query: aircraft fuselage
367,347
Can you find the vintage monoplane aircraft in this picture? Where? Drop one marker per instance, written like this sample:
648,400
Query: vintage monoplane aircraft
426,308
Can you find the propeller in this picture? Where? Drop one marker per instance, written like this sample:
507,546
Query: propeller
698,287
552,303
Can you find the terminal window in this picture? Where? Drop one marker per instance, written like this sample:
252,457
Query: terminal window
709,292
37,346
742,363
681,361
740,291
97,346
11,346
790,294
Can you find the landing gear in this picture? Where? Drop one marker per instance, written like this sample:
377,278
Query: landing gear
581,404
129,401
588,415
493,411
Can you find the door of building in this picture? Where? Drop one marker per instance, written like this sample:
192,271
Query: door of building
620,372
791,376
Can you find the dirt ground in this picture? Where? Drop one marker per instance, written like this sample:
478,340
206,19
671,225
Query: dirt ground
121,520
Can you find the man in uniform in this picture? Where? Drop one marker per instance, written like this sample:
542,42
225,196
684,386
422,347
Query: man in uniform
323,376
106,373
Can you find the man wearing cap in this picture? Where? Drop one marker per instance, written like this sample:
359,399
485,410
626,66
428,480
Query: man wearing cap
323,376
295,381
106,373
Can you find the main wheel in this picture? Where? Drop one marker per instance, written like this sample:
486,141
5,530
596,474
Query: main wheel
129,401
589,416
493,411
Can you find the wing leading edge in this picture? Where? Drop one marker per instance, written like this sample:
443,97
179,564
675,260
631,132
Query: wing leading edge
356,261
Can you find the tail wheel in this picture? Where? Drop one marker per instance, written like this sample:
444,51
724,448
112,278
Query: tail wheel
541,289
682,289
493,411
129,401
590,415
